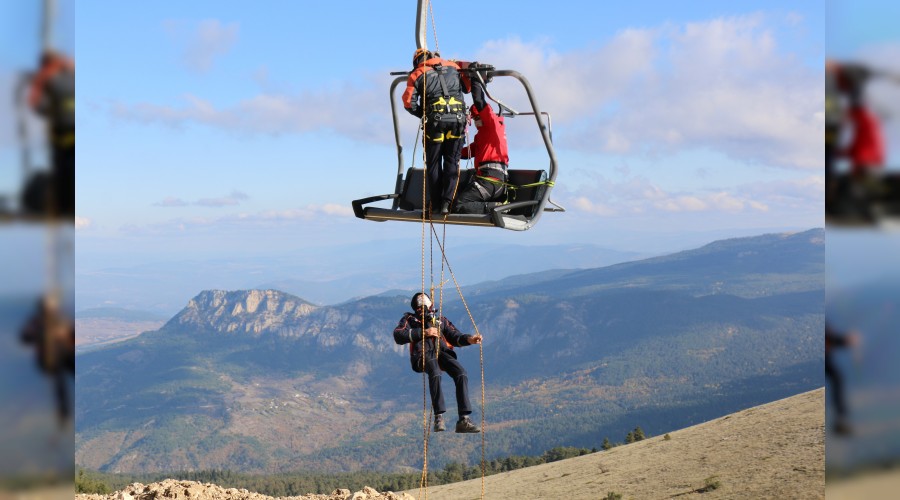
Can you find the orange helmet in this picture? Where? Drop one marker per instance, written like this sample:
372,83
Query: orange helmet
421,55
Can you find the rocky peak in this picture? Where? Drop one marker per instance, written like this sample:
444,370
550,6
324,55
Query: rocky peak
250,311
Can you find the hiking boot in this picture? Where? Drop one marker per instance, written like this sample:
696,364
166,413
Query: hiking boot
465,426
439,424
445,208
842,428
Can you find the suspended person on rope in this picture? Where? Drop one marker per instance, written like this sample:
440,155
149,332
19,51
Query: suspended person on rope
487,188
425,356
435,90
835,340
52,95
53,337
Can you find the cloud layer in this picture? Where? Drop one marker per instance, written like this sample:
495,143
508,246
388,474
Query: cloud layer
723,84
203,43
231,200
641,196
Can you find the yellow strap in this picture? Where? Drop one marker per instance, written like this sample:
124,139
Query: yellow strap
513,186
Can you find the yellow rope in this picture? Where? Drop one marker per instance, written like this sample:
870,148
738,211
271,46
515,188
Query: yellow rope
437,47
480,353
423,484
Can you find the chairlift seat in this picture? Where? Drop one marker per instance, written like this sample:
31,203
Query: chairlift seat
519,214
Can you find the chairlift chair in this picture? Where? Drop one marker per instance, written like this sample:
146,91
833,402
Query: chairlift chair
520,214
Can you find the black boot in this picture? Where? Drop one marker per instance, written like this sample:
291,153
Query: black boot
445,208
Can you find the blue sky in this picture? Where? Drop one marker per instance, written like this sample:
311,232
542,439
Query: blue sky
233,128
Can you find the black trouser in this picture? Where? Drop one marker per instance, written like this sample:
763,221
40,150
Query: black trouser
63,398
837,387
830,177
63,181
456,371
480,196
442,159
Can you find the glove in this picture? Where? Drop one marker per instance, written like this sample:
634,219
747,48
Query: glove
478,95
483,71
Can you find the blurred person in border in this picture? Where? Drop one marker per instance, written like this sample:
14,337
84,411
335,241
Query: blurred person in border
837,340
848,117
52,96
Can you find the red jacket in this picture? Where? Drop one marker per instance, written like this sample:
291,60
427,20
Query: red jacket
489,144
866,150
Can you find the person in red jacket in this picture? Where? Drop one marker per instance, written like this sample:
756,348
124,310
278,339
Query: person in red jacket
487,187
435,90
52,96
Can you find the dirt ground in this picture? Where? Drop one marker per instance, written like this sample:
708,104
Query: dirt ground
872,485
772,451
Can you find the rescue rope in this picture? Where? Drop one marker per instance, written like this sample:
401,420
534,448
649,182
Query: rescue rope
480,355
437,47
427,219
423,481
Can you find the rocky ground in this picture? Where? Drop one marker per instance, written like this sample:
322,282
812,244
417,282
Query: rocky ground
171,489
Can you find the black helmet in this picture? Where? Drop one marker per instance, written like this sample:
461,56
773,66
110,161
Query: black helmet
420,299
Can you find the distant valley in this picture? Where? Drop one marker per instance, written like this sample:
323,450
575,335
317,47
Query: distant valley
103,326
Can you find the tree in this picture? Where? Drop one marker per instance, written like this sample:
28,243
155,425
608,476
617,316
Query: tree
629,438
639,434
606,444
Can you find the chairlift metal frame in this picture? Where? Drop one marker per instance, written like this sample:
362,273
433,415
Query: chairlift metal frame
508,216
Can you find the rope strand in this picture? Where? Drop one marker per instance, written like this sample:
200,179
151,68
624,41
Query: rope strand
423,485
480,355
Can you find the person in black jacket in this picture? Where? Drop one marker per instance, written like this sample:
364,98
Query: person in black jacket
52,96
431,351
435,90
53,336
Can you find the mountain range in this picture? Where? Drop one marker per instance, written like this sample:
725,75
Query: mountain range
326,275
264,381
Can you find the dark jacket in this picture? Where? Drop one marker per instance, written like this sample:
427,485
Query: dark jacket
52,95
55,349
440,98
409,331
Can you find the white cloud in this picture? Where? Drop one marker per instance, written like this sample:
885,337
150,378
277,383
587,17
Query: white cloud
723,84
794,194
305,213
82,222
639,196
247,220
171,201
593,207
276,113
335,209
233,199
204,42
